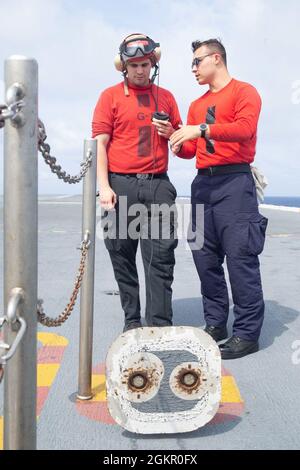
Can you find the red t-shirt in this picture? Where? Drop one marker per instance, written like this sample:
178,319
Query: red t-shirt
134,146
232,114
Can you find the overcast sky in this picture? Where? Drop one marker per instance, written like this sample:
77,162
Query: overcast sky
75,43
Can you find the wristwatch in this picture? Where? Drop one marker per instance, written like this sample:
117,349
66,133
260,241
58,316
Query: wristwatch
203,128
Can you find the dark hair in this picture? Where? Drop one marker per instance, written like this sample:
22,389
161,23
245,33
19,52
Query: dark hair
214,45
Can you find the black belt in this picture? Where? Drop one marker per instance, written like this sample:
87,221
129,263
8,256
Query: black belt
141,176
225,169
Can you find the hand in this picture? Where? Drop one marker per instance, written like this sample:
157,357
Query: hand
108,198
164,128
185,133
175,148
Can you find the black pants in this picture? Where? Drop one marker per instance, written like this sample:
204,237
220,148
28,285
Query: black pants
125,227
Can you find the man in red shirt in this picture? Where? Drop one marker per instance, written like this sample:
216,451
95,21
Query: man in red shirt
221,131
132,164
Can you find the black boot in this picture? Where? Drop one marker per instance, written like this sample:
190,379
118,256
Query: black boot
237,347
216,332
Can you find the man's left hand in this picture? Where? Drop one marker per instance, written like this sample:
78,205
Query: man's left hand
185,133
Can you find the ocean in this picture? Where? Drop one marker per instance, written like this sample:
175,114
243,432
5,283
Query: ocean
288,201
282,201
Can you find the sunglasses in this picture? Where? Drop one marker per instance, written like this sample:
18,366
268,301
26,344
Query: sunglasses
198,60
143,45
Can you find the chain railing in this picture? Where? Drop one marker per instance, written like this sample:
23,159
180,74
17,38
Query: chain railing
45,149
10,111
10,349
16,299
54,322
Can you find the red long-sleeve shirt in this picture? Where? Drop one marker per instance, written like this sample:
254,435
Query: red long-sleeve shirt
232,114
134,146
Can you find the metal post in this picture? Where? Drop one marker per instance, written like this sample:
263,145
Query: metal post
20,251
87,288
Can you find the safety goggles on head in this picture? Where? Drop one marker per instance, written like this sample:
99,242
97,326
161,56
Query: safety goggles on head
137,47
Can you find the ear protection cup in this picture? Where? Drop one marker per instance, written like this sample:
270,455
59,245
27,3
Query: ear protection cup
157,54
154,57
119,65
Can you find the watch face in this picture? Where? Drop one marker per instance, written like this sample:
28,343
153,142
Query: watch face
203,127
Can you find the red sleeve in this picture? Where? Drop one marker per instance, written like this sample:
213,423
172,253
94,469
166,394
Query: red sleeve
188,149
174,113
244,127
103,115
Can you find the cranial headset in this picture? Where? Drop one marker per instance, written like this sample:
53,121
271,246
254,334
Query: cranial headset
134,46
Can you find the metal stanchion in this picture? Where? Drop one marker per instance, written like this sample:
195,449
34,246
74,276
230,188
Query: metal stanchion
87,289
20,251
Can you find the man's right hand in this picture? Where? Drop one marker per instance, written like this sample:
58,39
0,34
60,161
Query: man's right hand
108,198
175,148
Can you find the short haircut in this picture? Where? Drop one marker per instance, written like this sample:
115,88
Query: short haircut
214,45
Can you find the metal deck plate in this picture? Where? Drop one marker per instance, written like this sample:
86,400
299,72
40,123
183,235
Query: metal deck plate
163,380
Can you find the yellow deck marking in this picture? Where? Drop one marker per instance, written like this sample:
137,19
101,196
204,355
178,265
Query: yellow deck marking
46,374
98,388
51,339
230,391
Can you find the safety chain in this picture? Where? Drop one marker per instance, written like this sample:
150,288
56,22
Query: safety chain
10,349
10,111
48,321
16,298
44,148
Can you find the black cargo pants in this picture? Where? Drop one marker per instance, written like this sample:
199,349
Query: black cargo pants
142,214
